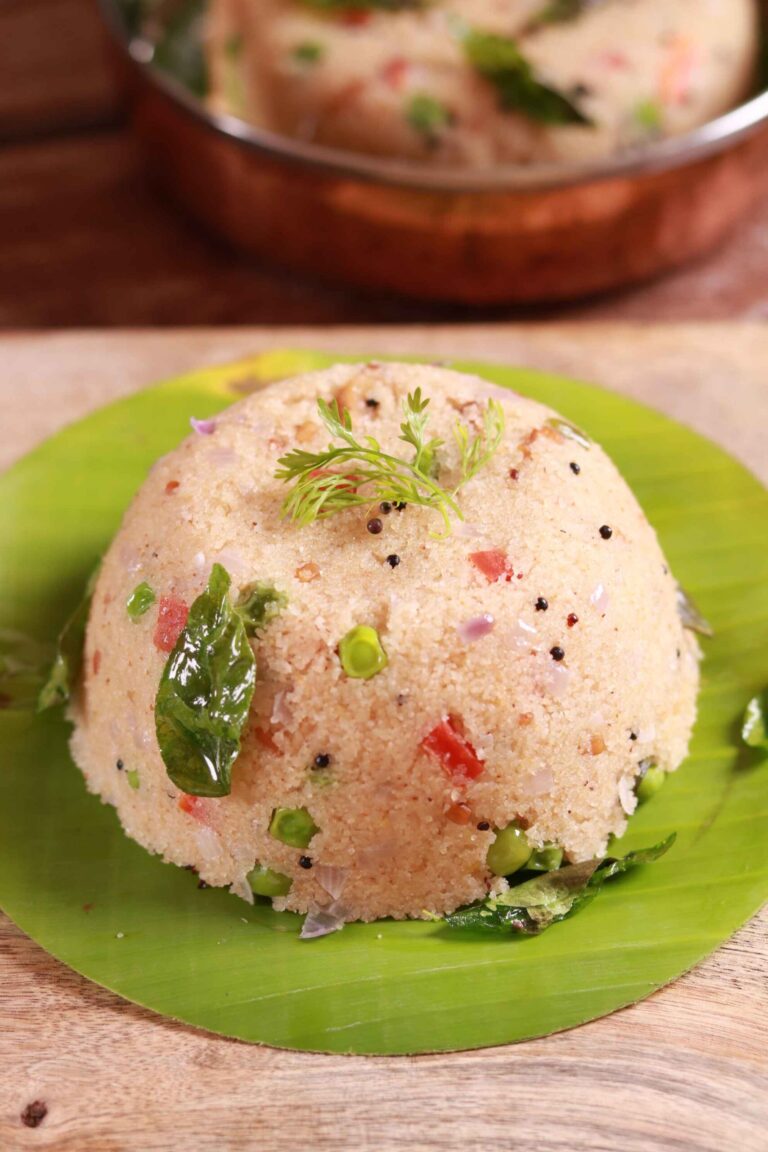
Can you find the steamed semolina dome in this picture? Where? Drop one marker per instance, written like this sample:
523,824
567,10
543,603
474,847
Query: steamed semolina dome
474,83
415,693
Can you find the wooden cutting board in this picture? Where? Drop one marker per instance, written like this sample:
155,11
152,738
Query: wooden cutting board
686,1071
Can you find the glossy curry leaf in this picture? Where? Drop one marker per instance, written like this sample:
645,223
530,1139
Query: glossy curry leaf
535,905
205,693
500,61
69,654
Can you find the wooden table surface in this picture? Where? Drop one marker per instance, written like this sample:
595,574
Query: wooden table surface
85,240
685,1071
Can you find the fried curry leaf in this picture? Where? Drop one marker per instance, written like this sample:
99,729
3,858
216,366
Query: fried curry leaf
69,654
563,11
501,62
754,729
535,905
205,693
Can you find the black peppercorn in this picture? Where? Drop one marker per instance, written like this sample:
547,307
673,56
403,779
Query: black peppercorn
606,532
371,403
120,765
385,507
393,560
483,826
374,526
575,468
322,760
541,604
557,654
305,862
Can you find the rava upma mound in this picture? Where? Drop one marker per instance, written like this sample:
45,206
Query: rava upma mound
471,84
377,638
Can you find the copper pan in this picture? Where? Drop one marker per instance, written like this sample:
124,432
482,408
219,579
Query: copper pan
516,234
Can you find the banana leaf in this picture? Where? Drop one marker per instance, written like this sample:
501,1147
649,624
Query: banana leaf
72,881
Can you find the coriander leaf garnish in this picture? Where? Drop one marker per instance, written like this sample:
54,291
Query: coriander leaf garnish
501,62
205,693
69,653
535,905
358,472
754,728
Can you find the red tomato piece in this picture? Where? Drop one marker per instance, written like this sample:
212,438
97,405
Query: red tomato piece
193,806
493,564
455,753
354,17
171,619
394,72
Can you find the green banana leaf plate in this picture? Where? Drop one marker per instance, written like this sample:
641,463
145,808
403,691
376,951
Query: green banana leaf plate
72,881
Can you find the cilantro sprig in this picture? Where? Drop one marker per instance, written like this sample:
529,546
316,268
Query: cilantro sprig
358,472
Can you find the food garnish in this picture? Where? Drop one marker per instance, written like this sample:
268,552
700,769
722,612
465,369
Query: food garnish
500,61
447,744
358,472
266,882
258,604
509,852
292,826
428,116
535,905
140,601
361,653
69,653
652,776
205,692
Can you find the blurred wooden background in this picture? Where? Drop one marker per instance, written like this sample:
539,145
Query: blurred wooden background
85,240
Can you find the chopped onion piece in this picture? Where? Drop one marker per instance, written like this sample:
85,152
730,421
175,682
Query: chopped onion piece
331,878
323,921
202,427
556,680
627,796
523,634
475,628
242,889
282,715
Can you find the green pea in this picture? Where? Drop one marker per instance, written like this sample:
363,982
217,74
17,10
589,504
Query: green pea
509,852
650,783
140,600
265,882
361,653
293,826
546,859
